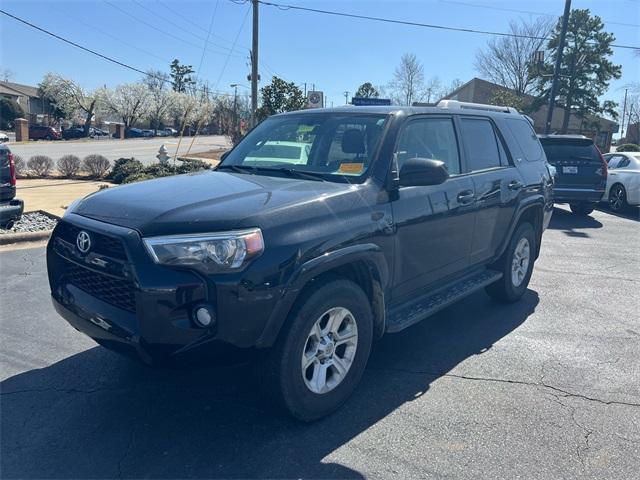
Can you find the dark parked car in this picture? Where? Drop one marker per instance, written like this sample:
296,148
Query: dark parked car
98,132
134,133
10,207
581,176
394,214
41,132
73,132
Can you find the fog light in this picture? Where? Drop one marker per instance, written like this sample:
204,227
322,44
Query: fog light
203,316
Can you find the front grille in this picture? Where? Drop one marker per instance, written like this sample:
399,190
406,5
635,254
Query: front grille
101,244
117,292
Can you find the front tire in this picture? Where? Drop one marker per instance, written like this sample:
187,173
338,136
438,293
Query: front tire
516,266
582,208
618,198
322,351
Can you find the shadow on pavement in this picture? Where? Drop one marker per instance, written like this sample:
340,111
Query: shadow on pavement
631,213
97,415
572,224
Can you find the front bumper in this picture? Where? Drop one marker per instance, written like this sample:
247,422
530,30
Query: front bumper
11,210
116,295
576,195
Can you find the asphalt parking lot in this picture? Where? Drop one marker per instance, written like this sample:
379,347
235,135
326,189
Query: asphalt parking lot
545,388
143,149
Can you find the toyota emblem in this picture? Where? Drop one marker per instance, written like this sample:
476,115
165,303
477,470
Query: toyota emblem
83,241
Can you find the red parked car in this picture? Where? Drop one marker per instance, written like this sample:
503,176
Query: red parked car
40,132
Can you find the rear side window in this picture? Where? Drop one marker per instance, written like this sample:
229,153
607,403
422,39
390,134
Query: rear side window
558,150
526,138
481,143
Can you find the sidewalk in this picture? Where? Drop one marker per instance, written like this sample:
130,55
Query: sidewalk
53,195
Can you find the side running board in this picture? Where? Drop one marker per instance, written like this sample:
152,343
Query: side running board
406,315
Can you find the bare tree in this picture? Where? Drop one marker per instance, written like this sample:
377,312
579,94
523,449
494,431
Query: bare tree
432,91
408,80
455,84
508,61
6,74
71,98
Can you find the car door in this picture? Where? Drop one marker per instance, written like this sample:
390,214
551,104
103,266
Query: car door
434,224
496,182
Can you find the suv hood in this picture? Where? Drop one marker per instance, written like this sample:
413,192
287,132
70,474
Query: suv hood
201,202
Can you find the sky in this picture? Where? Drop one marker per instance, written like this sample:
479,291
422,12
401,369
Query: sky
335,54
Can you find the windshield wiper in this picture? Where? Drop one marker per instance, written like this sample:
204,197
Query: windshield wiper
292,172
237,168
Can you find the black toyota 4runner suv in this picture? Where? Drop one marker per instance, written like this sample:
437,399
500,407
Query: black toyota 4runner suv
319,232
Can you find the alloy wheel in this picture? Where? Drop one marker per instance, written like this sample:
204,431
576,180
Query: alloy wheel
330,350
520,263
616,198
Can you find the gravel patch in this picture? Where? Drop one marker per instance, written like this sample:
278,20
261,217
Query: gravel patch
32,222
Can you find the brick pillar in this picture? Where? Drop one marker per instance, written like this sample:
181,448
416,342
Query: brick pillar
120,131
22,129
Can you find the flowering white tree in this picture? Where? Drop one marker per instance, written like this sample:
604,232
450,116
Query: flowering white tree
71,98
129,102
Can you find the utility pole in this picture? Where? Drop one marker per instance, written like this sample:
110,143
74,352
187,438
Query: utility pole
235,106
254,65
624,112
556,70
346,98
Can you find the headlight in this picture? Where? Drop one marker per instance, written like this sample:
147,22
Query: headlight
210,252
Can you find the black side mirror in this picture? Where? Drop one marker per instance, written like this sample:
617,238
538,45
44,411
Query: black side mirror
422,172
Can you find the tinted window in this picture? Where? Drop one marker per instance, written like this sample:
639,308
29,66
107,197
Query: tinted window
433,138
335,145
557,150
481,144
526,138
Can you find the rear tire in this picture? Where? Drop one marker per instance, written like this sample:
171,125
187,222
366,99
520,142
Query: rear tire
618,198
582,208
516,266
303,340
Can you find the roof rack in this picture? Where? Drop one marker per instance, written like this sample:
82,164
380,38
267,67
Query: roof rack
454,104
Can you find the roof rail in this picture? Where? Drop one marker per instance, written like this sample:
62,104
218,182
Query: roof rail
454,104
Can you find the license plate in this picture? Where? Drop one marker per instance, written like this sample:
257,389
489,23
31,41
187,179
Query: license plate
569,169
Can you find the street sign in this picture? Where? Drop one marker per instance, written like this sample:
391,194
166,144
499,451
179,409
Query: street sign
360,101
315,99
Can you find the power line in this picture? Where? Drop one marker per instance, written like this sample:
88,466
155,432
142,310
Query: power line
204,47
183,30
528,12
97,54
186,19
244,19
117,39
281,6
164,32
191,22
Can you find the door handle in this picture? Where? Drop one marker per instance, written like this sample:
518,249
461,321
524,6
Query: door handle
515,185
465,197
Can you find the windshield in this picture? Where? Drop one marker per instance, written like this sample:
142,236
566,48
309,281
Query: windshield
335,146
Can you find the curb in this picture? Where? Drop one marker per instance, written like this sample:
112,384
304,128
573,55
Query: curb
20,237
8,238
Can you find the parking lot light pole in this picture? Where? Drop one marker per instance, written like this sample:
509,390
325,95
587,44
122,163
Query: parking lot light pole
556,70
